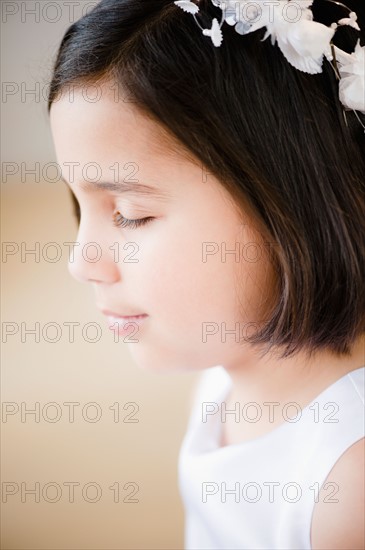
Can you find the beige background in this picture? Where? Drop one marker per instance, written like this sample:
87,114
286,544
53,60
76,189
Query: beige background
37,290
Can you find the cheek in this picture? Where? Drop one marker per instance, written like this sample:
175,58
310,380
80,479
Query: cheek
255,281
191,280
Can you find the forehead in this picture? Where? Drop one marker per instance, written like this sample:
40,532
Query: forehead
110,129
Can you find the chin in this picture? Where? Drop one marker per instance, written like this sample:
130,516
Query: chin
167,362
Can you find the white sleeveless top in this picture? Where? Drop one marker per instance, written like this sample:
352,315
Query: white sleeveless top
260,494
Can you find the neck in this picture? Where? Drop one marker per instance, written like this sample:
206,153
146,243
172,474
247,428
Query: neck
297,377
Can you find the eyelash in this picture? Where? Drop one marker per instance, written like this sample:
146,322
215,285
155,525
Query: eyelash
130,224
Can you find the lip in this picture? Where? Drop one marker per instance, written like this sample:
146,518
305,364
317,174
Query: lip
109,313
122,324
126,325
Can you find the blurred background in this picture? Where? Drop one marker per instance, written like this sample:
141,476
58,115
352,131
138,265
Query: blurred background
89,442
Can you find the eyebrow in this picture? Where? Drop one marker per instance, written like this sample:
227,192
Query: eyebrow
120,188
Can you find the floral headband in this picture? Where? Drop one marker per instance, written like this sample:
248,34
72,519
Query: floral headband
302,41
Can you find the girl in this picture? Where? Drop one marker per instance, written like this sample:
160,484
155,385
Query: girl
221,177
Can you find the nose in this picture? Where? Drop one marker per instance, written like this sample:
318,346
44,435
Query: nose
92,261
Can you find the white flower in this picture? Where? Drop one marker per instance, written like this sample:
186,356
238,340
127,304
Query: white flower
305,44
302,40
215,33
187,6
350,20
352,83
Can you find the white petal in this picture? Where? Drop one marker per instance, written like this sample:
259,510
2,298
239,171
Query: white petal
229,13
187,6
304,44
241,28
348,21
303,63
359,49
310,38
352,92
352,63
305,4
342,57
216,33
231,20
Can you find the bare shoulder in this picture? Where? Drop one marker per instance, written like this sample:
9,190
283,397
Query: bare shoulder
338,516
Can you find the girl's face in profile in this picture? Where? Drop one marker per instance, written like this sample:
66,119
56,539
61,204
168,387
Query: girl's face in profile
197,268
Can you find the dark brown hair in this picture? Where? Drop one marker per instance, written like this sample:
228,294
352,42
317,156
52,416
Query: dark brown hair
274,136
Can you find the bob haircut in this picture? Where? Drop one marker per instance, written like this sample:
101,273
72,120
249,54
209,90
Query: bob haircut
274,136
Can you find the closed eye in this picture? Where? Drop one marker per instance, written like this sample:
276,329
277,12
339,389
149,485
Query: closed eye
121,221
